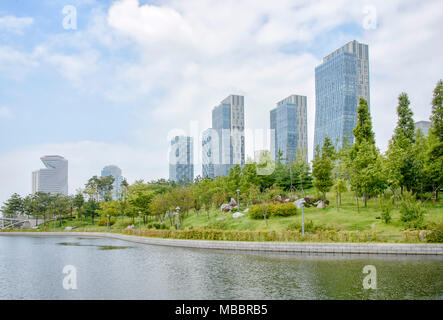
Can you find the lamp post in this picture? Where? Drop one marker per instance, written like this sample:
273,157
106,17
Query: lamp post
139,222
108,221
55,222
303,218
238,199
178,217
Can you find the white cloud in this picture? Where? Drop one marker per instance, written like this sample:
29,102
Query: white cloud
15,24
5,112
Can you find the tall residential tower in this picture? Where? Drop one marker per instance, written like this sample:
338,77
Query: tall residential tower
289,125
54,178
223,146
115,172
340,81
181,159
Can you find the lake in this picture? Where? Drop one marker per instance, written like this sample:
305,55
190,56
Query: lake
32,268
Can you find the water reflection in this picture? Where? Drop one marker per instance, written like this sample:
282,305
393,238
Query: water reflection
31,268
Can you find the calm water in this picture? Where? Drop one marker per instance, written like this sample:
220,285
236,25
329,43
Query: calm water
32,268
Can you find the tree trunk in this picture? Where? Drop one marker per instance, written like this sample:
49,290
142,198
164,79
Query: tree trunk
324,196
336,200
376,205
366,199
340,198
358,206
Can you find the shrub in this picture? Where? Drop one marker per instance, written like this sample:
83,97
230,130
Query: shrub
386,208
282,209
411,211
310,227
103,222
156,225
256,212
436,233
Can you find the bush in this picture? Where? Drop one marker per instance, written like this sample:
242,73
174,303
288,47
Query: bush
436,234
103,222
310,227
282,209
386,208
273,210
411,211
156,225
256,212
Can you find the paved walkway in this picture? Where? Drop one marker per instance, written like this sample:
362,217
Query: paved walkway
294,247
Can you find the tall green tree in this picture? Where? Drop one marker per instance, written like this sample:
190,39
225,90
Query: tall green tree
322,166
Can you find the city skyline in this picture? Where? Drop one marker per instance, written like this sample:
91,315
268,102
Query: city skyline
138,78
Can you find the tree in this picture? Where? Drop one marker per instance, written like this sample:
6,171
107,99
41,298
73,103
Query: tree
322,170
13,207
434,157
366,163
78,202
402,161
90,208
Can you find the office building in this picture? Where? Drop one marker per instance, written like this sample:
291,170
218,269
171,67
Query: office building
54,178
115,172
227,136
181,159
340,81
289,125
424,126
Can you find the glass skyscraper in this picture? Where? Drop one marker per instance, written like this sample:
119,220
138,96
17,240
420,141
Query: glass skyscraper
340,81
54,178
181,159
289,125
115,172
223,146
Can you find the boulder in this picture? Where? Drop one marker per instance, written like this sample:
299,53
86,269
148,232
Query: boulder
69,228
219,219
233,203
246,210
238,215
226,207
322,205
309,199
131,227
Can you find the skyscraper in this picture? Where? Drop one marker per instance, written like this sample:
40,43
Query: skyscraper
424,126
340,81
289,122
181,159
54,178
227,136
115,172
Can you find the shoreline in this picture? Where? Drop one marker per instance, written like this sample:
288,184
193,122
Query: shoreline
288,247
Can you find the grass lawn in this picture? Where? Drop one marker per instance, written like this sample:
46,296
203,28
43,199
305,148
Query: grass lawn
345,218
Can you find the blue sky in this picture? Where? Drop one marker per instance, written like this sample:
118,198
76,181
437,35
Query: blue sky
111,91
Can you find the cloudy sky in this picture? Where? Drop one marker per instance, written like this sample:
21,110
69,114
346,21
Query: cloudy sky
110,84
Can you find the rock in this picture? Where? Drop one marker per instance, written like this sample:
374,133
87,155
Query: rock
322,205
131,227
238,215
246,210
225,207
299,203
287,200
69,228
309,199
219,219
233,203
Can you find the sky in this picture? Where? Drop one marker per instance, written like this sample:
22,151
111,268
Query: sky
109,82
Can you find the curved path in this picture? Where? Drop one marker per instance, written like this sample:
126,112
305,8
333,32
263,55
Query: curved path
294,247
